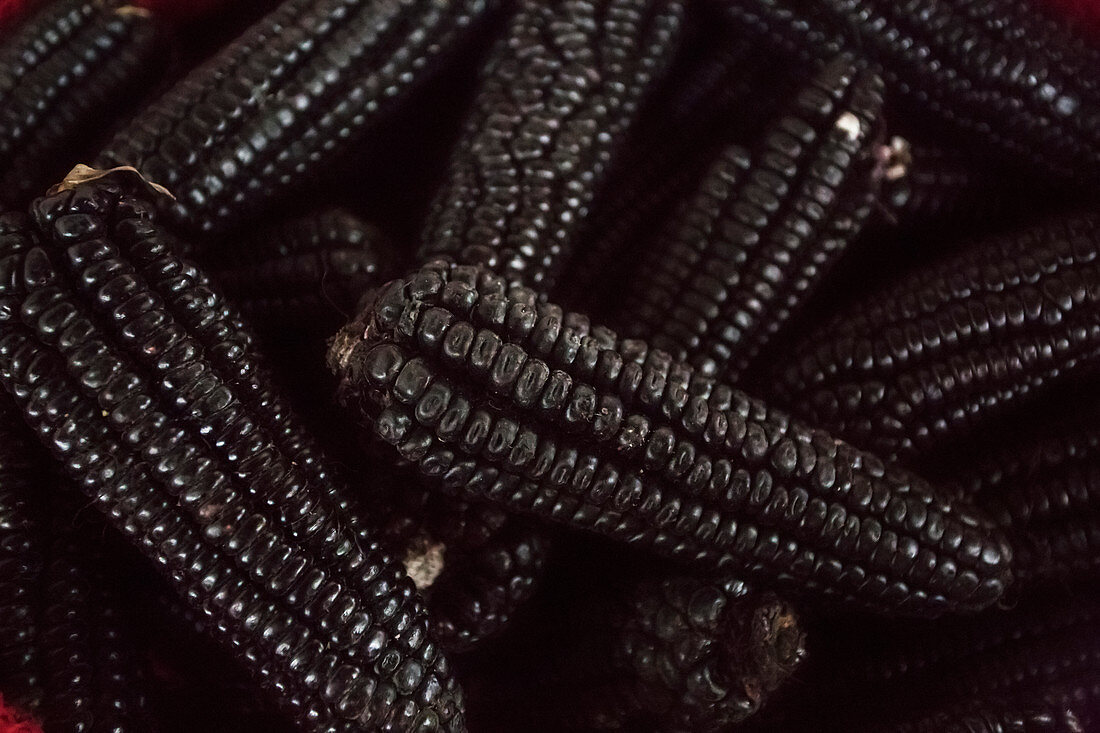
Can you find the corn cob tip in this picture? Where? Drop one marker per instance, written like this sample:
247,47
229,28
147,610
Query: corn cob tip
424,561
893,159
778,641
82,173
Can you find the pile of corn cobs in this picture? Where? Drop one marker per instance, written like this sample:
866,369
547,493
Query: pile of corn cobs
522,365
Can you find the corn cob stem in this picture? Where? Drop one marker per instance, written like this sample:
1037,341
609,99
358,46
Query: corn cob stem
59,70
605,435
136,375
930,358
995,71
683,655
289,98
556,100
763,228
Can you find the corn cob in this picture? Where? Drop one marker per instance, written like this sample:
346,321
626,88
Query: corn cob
187,665
141,382
684,655
305,274
58,71
996,72
923,362
64,653
537,410
763,228
1043,654
703,107
300,88
479,589
995,716
23,554
1043,487
556,101
927,184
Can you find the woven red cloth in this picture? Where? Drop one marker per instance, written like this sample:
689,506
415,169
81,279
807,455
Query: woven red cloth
13,720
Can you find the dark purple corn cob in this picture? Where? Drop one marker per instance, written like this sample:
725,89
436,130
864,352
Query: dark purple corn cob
473,564
1043,487
141,381
556,101
186,666
298,90
926,184
763,228
991,716
64,647
682,655
1042,656
924,361
23,555
501,398
703,106
997,71
307,273
59,71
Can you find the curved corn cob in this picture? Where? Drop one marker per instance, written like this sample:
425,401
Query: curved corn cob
924,361
1043,487
140,380
307,273
1011,80
288,98
64,651
59,71
556,100
684,655
763,228
704,105
520,404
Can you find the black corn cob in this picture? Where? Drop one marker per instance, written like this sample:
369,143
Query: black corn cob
681,655
925,184
65,651
993,716
702,106
307,273
1009,79
556,101
920,364
507,400
59,70
763,228
142,383
1043,654
299,89
1043,487
23,555
473,564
